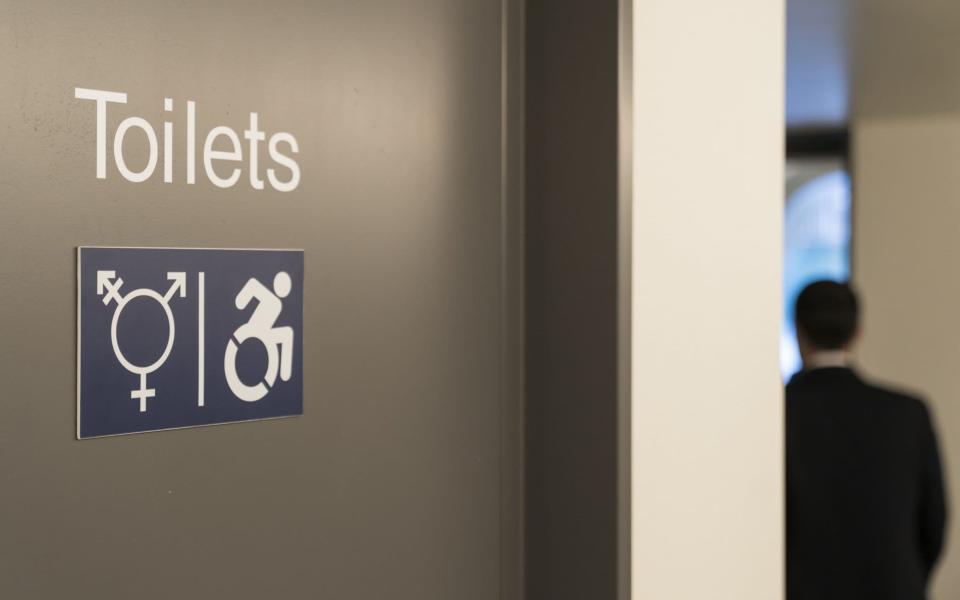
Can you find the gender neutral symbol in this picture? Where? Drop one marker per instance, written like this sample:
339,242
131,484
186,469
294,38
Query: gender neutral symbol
110,290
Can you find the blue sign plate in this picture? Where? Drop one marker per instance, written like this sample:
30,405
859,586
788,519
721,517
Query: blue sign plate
170,337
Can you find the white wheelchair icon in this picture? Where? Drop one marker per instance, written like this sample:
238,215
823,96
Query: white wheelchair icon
278,341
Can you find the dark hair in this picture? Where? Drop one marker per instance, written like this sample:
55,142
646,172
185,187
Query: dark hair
827,313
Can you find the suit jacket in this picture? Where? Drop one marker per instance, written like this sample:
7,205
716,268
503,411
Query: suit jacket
865,496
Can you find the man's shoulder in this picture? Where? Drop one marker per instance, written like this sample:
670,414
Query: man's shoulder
849,383
897,398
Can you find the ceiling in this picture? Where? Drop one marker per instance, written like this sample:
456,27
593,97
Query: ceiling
870,58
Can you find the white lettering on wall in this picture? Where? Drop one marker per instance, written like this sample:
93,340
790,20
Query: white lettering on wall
223,153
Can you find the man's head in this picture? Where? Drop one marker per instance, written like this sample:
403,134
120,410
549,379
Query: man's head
827,317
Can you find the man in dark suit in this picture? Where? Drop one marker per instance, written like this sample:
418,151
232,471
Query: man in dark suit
865,495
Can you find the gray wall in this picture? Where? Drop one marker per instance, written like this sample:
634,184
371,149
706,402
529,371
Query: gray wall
572,200
401,479
906,252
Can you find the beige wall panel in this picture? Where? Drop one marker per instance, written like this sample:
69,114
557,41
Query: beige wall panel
707,397
906,252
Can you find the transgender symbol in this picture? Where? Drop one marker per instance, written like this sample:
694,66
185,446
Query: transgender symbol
106,283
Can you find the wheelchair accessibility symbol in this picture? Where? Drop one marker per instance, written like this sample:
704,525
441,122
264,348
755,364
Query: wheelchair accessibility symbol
278,341
108,286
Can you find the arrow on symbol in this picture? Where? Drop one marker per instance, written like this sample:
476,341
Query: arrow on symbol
104,282
179,280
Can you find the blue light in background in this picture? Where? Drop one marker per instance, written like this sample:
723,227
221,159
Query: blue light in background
816,246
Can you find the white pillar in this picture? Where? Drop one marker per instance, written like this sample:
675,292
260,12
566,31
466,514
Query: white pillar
707,400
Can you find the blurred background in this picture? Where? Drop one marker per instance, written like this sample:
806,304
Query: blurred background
872,193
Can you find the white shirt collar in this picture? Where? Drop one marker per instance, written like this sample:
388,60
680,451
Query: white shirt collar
824,359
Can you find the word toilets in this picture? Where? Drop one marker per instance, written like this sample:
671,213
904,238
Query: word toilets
285,182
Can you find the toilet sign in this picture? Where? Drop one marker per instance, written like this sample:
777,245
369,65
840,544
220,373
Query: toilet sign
170,337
